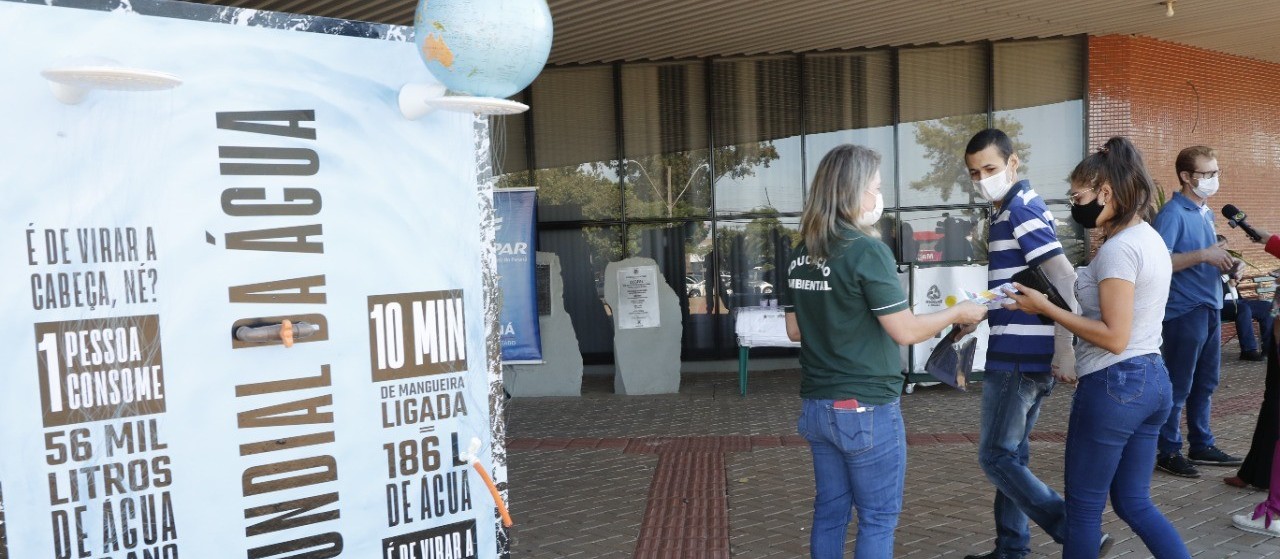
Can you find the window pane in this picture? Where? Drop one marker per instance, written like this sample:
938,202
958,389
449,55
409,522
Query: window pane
756,123
509,156
1033,73
584,253
575,144
751,264
890,226
1039,102
849,100
665,140
681,251
955,235
1074,238
752,258
942,98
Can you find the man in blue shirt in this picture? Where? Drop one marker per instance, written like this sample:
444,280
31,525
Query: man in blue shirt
1024,354
1192,345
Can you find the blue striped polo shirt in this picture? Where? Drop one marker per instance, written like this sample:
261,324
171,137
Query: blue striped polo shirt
1022,234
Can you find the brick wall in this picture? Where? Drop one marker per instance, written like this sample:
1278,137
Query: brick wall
1166,96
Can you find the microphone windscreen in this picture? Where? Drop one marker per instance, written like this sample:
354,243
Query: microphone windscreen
1233,213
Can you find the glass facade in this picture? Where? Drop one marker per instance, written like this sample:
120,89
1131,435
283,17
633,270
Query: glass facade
703,165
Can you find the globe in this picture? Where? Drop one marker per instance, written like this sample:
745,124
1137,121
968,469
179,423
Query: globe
486,48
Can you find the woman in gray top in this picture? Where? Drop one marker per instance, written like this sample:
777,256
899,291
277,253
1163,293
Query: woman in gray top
1123,395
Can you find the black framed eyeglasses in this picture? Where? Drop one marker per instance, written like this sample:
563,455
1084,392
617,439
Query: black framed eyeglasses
1205,174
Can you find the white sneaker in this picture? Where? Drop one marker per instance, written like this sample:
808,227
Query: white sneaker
1247,523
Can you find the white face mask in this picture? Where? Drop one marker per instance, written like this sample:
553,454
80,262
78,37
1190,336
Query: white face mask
1206,187
994,187
870,217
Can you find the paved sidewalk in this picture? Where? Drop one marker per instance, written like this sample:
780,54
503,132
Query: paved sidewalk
706,473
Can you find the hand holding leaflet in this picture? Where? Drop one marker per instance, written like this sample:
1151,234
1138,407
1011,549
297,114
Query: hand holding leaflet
993,298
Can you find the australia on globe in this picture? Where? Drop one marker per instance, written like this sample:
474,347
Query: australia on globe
486,48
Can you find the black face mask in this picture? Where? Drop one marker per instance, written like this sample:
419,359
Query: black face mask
1087,214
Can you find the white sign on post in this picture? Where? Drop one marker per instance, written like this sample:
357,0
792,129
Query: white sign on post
638,298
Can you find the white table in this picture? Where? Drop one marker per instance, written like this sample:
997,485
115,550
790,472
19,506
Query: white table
758,327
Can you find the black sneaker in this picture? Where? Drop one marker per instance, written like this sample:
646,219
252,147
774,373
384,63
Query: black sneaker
1211,456
1254,355
1177,465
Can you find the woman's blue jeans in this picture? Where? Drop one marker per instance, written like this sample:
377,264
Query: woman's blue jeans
1111,449
859,461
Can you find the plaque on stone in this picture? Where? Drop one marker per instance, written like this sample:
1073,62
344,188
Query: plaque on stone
542,275
638,298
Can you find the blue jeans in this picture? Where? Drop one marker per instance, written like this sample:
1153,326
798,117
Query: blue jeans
1192,351
1244,312
1010,407
1111,442
859,460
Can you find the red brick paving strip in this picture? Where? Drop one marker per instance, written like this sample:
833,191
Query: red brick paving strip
1243,403
688,510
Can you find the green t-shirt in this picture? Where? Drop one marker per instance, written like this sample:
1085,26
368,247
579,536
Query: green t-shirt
844,352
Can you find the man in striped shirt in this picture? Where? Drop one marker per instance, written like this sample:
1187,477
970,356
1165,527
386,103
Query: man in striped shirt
1024,353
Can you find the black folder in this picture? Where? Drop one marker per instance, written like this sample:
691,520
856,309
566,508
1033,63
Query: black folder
1035,278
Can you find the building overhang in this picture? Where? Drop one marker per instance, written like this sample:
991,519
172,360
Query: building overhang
591,31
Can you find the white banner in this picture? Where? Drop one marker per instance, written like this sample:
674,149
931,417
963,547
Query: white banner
930,291
140,230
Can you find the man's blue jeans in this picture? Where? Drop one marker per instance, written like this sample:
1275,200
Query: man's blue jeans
1010,407
1244,312
859,460
1192,351
1111,443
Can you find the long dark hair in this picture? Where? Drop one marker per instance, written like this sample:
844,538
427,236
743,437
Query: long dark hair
1119,164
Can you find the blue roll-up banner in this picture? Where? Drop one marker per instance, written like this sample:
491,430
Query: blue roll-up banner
517,233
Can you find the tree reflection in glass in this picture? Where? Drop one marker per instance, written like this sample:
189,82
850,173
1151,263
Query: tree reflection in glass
944,141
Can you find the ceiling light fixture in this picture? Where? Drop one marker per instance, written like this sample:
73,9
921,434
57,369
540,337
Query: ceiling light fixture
1168,5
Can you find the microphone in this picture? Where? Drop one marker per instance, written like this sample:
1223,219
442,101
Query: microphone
1235,218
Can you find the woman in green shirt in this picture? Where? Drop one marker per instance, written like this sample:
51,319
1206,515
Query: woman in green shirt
843,294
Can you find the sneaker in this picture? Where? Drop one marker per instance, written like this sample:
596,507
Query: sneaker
1247,523
1211,456
1177,465
1104,548
1254,355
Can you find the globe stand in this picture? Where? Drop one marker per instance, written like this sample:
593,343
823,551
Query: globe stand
418,99
70,84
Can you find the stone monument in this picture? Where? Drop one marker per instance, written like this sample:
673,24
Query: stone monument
646,328
560,374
